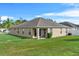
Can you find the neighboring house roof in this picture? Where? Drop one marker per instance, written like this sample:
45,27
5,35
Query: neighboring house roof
39,22
77,25
69,24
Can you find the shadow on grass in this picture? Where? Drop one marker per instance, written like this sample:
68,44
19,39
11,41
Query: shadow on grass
21,37
71,40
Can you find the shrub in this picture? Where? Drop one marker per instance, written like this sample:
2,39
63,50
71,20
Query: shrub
49,35
69,34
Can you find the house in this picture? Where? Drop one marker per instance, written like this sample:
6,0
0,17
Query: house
5,30
38,28
73,28
71,25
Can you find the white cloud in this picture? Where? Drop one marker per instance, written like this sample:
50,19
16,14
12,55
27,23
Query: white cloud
45,14
2,18
48,14
74,5
67,13
5,17
68,20
38,16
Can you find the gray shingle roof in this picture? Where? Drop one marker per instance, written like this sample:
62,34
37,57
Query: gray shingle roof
39,22
69,24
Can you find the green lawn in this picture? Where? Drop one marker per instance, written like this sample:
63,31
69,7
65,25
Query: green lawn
16,46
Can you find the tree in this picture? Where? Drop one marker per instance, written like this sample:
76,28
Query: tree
24,21
18,22
8,23
50,19
21,20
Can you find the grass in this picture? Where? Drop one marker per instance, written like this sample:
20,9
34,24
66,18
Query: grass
16,46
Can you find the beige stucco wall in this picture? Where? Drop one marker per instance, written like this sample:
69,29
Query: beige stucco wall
56,32
26,32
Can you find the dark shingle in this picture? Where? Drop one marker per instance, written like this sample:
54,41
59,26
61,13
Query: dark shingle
39,22
69,24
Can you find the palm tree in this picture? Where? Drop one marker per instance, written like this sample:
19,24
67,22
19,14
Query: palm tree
8,23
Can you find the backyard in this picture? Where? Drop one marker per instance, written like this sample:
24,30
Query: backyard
17,46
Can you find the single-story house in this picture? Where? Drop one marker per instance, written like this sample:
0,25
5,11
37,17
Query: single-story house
5,30
38,28
73,28
71,25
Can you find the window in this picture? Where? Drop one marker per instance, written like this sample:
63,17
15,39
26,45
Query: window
18,31
22,31
66,30
29,32
61,31
14,28
34,30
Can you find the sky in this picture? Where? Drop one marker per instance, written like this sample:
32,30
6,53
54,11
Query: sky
59,12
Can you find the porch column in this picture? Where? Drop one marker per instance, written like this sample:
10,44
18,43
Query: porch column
48,30
31,32
37,33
